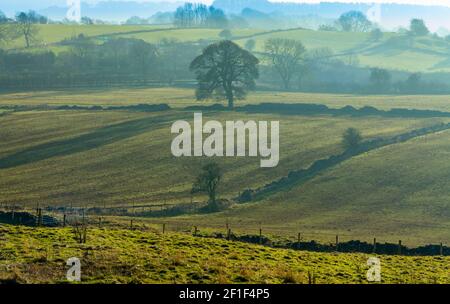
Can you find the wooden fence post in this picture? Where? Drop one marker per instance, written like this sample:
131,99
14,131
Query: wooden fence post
399,247
195,230
164,228
260,235
337,242
64,220
39,217
99,222
374,245
229,234
441,249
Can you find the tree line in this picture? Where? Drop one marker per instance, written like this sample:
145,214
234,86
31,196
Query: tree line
85,62
199,15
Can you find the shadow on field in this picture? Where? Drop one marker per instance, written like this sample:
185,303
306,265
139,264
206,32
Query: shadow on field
85,142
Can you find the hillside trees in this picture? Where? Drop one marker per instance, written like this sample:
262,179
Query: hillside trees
285,56
25,26
417,27
354,21
199,15
225,71
3,18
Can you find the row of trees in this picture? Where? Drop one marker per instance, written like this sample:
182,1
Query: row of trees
199,15
356,21
287,64
84,62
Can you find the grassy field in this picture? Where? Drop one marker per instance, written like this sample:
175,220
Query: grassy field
395,193
393,51
115,157
115,255
182,97
106,158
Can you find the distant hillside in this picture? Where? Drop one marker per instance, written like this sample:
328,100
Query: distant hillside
114,10
392,15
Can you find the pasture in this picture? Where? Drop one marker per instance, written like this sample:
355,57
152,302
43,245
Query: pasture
118,255
182,97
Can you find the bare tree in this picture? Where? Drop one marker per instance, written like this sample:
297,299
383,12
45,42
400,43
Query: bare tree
26,27
286,56
354,21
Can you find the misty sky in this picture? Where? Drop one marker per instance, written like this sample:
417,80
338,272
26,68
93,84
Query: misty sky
19,3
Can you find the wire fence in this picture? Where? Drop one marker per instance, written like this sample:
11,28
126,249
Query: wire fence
257,233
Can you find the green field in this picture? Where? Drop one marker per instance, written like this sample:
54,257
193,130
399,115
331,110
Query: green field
183,97
117,255
393,51
115,157
122,158
395,193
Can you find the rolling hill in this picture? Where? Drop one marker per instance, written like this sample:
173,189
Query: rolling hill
394,51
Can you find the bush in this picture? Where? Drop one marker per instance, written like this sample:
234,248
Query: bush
351,139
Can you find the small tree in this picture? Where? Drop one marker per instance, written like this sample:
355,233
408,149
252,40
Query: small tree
207,182
226,71
87,21
25,26
351,139
380,79
418,28
376,35
354,21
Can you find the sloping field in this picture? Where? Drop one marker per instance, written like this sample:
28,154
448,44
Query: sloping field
109,157
399,192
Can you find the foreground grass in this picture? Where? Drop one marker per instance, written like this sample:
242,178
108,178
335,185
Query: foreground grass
38,255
